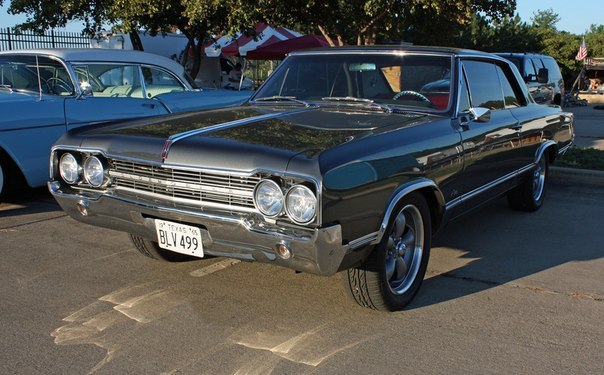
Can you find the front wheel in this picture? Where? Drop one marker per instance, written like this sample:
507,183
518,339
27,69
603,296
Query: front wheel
393,273
530,194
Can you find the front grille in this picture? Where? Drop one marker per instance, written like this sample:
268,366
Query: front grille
184,186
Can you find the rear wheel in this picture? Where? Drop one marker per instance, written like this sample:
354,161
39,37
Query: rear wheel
394,271
152,250
530,194
2,176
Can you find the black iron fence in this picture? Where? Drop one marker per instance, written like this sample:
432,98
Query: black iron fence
12,40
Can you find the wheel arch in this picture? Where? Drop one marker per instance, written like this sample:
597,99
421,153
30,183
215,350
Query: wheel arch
548,148
428,190
12,170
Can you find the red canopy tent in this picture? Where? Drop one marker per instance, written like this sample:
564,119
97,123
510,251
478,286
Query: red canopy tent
265,34
278,50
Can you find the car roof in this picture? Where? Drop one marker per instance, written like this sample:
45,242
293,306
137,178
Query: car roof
521,54
395,48
103,55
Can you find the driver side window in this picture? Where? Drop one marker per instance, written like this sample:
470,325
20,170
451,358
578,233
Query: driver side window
485,87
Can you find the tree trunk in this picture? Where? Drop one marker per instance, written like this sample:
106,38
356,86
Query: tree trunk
326,35
135,39
197,51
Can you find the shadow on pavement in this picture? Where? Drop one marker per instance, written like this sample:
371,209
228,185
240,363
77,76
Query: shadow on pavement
28,201
496,245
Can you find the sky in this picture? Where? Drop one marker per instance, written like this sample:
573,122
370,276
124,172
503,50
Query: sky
575,15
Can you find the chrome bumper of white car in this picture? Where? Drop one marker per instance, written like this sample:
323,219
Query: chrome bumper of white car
318,251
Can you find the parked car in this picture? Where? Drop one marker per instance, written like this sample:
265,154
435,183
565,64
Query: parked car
345,159
43,93
541,74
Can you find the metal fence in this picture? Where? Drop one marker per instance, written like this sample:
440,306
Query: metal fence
11,40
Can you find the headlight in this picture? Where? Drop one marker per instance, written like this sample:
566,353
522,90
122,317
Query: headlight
268,198
301,204
94,173
69,168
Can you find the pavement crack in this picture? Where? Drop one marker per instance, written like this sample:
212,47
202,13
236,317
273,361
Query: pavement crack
12,228
575,295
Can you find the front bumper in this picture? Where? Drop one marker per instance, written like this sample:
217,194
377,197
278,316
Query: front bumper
318,251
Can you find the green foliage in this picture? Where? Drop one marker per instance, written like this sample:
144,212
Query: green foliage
583,158
489,25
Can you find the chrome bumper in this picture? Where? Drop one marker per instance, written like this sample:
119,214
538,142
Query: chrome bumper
317,251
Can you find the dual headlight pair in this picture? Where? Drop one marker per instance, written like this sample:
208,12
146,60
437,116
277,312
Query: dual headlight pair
92,169
299,202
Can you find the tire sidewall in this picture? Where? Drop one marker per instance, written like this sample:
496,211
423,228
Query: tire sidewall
378,256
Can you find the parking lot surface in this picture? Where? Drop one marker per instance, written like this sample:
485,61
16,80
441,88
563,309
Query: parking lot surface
505,292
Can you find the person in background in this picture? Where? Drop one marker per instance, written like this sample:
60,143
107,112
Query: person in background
235,75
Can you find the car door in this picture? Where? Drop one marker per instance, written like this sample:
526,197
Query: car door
32,108
116,93
489,144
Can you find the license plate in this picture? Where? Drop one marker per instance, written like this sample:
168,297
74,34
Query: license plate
180,238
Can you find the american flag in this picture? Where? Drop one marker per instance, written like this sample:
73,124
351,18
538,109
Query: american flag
582,54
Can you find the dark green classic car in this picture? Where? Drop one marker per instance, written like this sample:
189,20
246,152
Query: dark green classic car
346,159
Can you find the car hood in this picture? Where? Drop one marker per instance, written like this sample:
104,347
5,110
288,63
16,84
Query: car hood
243,138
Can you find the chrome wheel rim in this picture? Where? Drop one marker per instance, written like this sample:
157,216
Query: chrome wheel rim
404,249
539,180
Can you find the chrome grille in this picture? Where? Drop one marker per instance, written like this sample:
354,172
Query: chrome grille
184,186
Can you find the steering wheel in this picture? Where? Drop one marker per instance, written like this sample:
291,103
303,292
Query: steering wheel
56,82
414,94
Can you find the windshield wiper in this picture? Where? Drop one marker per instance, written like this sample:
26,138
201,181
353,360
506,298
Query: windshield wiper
281,98
7,88
352,99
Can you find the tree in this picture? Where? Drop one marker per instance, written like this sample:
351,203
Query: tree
370,21
198,20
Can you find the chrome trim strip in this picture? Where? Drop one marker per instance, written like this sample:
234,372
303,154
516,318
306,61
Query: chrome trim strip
542,148
226,125
406,189
183,185
488,186
201,204
393,51
367,239
563,150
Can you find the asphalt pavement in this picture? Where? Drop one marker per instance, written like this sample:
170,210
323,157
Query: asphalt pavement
505,292
589,126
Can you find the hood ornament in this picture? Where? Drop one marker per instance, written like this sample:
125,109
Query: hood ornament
164,152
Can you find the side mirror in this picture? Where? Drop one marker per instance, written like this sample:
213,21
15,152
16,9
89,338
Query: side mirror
477,114
480,114
85,90
543,75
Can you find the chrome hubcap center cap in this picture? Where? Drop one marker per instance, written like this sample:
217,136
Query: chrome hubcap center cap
401,248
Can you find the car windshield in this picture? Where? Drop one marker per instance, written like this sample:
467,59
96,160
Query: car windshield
393,80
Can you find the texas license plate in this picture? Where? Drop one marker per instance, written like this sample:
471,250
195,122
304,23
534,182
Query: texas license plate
180,238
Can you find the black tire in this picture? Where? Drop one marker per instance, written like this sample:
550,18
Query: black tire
392,275
3,178
152,250
530,194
